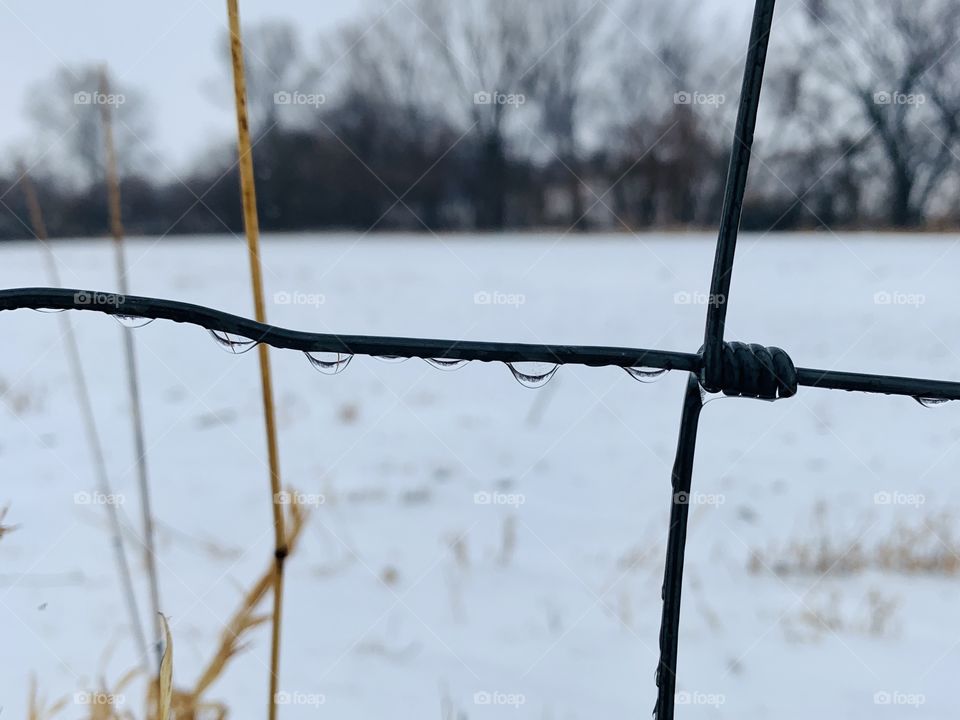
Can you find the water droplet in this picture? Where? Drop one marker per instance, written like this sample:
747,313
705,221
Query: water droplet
447,364
329,363
533,374
132,321
709,397
644,374
930,402
49,310
236,344
391,358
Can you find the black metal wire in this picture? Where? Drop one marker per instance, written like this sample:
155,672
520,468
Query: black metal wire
720,364
676,545
593,356
733,196
145,307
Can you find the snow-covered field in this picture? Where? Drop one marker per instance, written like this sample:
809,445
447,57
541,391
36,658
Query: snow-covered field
411,595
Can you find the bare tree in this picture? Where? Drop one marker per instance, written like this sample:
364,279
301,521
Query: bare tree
669,114
566,77
483,52
888,71
65,111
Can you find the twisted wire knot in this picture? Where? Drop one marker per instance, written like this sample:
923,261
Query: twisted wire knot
755,371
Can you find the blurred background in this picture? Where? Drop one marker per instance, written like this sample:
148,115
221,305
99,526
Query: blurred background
487,115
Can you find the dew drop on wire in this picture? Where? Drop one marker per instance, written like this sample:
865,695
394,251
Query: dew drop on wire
930,402
236,344
329,363
447,364
391,358
132,321
49,310
533,374
644,374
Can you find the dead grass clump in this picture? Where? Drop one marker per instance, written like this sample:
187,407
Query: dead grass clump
189,703
872,616
164,700
927,546
37,709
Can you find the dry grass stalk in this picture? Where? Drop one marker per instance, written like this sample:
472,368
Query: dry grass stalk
252,228
164,700
130,359
4,529
166,673
508,544
89,419
37,706
188,704
107,704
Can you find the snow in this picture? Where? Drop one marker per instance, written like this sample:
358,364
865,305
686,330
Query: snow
546,600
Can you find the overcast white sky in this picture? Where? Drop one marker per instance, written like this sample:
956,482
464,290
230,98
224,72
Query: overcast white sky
165,48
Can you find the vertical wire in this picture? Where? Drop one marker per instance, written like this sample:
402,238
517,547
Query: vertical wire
735,188
676,543
682,474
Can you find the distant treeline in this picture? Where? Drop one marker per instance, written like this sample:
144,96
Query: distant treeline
435,115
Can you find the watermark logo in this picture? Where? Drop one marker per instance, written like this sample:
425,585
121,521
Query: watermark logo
83,297
899,98
98,498
299,298
698,298
283,697
498,98
699,498
685,97
899,498
483,297
896,297
295,97
285,497
98,98
98,698
685,697
499,498
896,697
497,697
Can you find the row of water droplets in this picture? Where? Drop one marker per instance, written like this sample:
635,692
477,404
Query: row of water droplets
529,374
130,321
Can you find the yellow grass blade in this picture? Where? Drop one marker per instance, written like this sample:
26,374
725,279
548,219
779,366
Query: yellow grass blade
166,672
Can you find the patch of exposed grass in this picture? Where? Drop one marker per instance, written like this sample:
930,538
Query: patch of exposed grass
924,545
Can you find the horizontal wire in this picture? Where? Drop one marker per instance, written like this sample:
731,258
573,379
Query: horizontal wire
592,356
879,384
144,307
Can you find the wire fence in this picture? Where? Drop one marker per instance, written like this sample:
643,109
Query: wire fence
732,368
